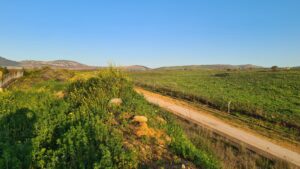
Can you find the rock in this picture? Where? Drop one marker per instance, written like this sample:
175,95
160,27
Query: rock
60,94
140,119
116,101
142,129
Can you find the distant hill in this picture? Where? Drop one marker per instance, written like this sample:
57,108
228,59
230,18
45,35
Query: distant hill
68,64
5,62
57,64
135,68
296,67
62,64
216,66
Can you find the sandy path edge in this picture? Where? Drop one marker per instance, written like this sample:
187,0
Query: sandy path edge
253,142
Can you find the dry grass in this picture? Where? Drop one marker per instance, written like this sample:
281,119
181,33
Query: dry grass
230,154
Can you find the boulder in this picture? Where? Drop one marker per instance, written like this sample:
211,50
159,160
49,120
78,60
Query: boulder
116,101
140,119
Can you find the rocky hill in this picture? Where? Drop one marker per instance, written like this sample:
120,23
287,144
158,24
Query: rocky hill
58,64
62,64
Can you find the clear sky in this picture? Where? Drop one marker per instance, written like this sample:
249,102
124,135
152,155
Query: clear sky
152,32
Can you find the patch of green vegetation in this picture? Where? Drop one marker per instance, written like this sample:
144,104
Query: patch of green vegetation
270,99
45,78
3,70
185,148
81,129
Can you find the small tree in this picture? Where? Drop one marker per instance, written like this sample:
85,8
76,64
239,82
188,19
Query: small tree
5,71
274,68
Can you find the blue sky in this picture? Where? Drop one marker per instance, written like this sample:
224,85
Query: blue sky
152,33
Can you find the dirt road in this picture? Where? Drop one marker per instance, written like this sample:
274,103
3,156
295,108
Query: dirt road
252,141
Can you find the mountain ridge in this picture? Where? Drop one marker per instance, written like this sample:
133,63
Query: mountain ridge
65,64
211,66
62,64
74,65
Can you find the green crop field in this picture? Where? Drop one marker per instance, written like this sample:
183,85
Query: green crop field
269,99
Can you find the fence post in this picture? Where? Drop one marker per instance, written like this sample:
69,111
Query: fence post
229,107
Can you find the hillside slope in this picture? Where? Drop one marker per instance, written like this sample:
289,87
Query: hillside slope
7,62
50,122
59,64
134,68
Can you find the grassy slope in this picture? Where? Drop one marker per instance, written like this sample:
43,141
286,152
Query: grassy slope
272,97
48,121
